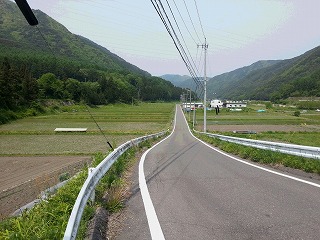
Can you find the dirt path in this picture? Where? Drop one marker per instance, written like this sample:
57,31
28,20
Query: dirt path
23,178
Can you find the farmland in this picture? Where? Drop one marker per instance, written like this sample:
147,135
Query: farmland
32,155
276,124
119,123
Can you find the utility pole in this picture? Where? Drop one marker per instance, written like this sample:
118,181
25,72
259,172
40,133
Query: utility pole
205,46
190,107
194,115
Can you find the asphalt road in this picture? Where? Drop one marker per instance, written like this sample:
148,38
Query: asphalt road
199,193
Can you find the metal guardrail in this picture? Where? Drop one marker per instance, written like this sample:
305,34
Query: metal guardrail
293,149
93,179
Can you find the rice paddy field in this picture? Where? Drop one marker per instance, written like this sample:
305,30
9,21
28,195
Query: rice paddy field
33,156
119,123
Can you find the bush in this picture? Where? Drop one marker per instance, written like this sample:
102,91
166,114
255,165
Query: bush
7,116
296,113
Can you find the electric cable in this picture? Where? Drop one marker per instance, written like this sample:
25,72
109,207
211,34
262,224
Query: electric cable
171,31
199,18
185,23
99,127
182,35
47,43
191,20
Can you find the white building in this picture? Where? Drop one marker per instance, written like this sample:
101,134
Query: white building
192,106
216,102
235,104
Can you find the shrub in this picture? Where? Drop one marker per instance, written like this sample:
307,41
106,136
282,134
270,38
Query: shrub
296,113
7,116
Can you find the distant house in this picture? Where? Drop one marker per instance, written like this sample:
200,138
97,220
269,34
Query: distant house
192,105
235,104
216,102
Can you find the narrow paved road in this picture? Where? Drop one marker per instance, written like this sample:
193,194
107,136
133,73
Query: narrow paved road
199,193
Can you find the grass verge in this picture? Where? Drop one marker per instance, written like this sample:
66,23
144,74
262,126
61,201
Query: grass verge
264,156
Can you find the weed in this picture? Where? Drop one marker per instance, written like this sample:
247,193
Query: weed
64,176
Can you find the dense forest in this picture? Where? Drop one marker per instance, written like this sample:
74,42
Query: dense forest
49,62
19,88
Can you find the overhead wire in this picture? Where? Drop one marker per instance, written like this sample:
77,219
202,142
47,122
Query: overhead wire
168,25
191,20
190,64
185,23
182,36
199,18
45,40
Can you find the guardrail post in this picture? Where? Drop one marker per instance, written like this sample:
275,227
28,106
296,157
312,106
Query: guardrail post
93,194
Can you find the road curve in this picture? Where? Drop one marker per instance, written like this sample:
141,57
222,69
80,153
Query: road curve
199,193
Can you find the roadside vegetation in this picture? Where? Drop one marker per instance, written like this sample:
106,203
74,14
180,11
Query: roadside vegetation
265,156
302,130
49,218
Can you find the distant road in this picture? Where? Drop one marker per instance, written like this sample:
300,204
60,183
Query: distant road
199,193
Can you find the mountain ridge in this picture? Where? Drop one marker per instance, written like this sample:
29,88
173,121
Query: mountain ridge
267,79
59,41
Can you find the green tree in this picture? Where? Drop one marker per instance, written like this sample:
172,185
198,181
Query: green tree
50,86
90,92
73,88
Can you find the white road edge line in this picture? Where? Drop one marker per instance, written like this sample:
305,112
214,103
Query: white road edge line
153,222
253,165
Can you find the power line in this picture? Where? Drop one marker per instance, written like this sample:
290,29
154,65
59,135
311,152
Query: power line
167,23
47,43
184,22
191,20
99,127
181,35
171,30
199,18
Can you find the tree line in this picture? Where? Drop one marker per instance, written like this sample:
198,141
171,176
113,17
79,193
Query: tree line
19,88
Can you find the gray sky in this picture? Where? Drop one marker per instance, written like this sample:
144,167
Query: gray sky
239,32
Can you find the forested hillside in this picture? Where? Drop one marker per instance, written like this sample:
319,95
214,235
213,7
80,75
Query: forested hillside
272,80
175,79
48,61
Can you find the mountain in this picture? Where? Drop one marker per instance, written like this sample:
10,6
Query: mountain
182,81
271,80
219,85
175,79
53,40
49,62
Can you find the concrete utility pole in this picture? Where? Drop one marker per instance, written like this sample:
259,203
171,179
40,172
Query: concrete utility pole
188,104
205,46
194,115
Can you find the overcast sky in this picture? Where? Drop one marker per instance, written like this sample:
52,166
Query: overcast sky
239,32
